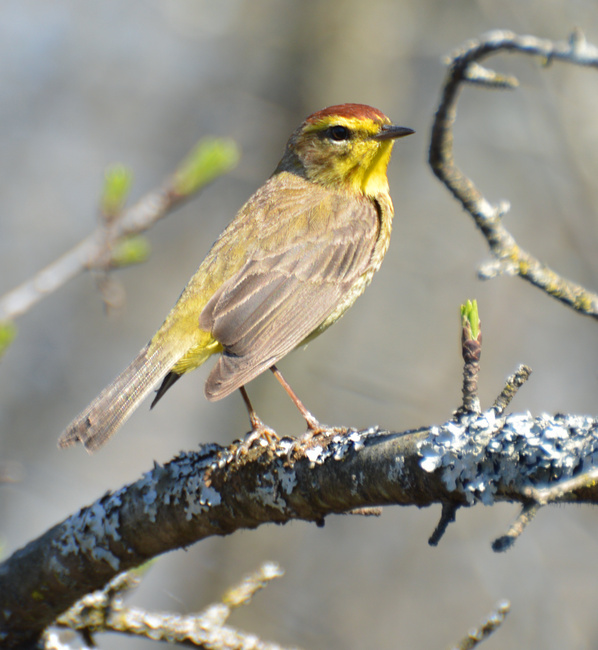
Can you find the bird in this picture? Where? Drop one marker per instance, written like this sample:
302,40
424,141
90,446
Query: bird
295,257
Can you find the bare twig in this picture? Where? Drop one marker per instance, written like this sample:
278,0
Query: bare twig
105,611
494,620
447,516
562,490
464,68
512,385
541,496
528,512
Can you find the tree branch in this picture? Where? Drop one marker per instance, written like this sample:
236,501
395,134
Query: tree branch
510,258
215,491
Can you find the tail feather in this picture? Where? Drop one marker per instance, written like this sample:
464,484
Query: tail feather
114,405
168,382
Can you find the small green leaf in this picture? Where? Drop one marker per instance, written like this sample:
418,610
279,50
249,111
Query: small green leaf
117,183
8,333
131,250
210,158
469,314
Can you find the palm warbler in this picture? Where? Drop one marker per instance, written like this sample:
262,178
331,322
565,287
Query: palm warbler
293,260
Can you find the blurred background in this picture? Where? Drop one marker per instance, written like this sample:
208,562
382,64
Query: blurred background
84,85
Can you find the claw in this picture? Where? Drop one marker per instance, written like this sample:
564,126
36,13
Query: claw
259,430
263,432
302,443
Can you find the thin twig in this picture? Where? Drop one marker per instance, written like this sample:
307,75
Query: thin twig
105,611
449,510
464,68
512,385
564,490
493,621
528,512
95,251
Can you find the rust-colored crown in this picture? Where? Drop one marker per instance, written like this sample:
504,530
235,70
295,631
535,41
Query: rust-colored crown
358,111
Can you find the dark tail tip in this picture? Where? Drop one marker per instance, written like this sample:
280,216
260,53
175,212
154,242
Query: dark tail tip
168,381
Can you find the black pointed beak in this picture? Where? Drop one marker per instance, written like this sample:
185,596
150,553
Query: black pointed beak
390,132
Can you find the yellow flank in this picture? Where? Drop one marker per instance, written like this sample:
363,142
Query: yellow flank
197,355
292,261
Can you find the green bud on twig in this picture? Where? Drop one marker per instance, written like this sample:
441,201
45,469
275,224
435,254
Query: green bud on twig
470,316
130,250
210,158
117,183
8,333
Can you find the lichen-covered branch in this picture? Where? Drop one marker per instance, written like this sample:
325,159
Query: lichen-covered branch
474,457
464,67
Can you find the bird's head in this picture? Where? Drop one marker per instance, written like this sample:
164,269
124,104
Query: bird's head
344,147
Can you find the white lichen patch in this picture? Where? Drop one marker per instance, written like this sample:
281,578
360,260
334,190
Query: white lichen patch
56,567
149,492
352,440
91,530
200,497
315,455
186,482
480,451
339,446
268,493
287,477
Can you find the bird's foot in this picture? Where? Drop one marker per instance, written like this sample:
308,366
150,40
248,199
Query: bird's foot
314,429
259,432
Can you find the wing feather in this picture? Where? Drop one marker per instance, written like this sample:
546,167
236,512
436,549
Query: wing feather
285,292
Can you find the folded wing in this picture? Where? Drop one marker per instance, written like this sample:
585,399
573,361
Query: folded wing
279,297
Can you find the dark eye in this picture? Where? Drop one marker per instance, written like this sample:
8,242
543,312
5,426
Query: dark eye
339,133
